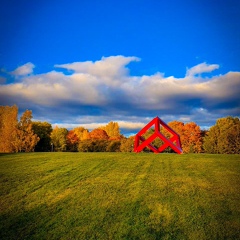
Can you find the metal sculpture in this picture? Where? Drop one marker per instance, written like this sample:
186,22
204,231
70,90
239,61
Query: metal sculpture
172,142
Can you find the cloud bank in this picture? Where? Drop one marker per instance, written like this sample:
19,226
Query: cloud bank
94,93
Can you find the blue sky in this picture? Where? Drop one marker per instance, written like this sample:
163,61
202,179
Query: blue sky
90,62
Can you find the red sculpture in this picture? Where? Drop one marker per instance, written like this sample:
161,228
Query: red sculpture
174,141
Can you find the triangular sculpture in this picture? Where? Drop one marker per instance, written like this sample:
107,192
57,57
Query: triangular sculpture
174,142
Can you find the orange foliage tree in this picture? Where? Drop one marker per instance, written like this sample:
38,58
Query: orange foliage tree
192,140
72,141
98,134
190,135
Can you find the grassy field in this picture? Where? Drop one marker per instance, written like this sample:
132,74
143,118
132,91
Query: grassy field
119,196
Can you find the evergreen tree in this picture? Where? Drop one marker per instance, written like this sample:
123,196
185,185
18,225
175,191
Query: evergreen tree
43,130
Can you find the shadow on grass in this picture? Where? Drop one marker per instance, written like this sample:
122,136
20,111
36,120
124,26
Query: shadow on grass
51,222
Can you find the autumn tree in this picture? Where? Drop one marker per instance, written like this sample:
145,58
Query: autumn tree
93,145
72,141
81,133
86,135
113,146
26,139
156,143
95,141
191,138
210,142
127,144
8,128
177,126
224,136
190,135
112,130
85,146
43,131
229,135
98,134
58,138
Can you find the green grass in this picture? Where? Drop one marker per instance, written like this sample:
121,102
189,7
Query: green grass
119,196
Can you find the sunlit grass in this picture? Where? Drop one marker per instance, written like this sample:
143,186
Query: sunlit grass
119,196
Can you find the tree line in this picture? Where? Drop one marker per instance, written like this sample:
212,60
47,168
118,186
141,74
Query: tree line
25,135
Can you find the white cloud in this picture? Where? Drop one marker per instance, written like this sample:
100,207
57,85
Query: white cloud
131,125
107,67
52,88
91,126
105,88
201,68
24,69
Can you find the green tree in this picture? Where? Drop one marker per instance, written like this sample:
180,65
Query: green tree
58,138
229,135
210,141
43,130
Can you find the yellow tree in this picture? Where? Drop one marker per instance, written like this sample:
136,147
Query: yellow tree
224,137
81,133
26,138
112,129
210,142
8,128
127,144
86,135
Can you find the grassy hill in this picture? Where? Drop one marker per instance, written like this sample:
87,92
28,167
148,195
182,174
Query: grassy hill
119,196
